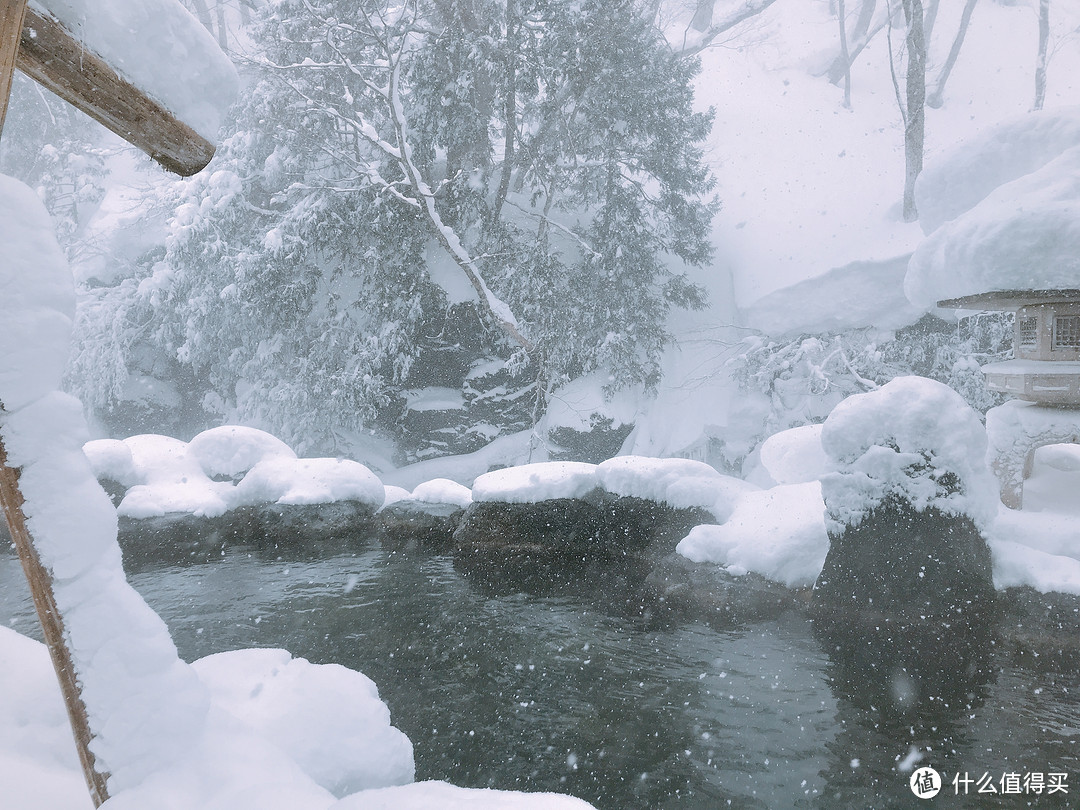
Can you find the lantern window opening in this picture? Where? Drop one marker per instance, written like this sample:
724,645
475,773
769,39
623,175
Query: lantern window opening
1027,332
1067,332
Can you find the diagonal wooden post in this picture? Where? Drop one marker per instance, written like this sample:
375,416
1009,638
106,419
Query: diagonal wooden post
52,625
51,56
12,13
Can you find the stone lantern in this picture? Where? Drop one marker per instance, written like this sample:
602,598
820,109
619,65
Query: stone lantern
1046,344
1044,376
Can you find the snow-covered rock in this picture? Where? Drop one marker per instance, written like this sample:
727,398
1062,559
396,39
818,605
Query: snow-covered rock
913,438
778,533
533,483
111,459
171,480
677,482
442,490
293,482
794,456
231,450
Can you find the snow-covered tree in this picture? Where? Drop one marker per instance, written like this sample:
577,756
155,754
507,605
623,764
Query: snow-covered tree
546,152
53,148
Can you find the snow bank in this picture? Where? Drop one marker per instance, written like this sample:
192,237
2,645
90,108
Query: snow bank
960,177
171,57
327,718
778,533
1023,235
913,438
678,482
1018,564
279,735
38,764
532,483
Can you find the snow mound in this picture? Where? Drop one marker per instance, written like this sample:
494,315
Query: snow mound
913,438
327,718
442,490
1024,235
171,480
855,295
794,456
532,483
168,35
778,533
111,458
679,482
295,481
231,450
174,476
392,494
965,174
38,763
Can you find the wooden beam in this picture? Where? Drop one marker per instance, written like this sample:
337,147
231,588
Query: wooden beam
49,54
12,13
52,625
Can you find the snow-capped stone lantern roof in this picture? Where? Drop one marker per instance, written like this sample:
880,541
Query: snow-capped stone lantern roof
1046,344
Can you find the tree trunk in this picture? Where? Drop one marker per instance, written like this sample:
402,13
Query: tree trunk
931,18
703,15
915,129
860,36
935,99
509,108
1040,61
841,13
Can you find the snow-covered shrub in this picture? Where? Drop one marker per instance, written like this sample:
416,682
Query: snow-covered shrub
805,378
912,441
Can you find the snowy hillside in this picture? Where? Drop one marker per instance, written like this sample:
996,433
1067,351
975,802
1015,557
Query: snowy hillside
810,236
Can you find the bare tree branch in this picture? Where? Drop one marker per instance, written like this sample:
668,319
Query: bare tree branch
749,8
